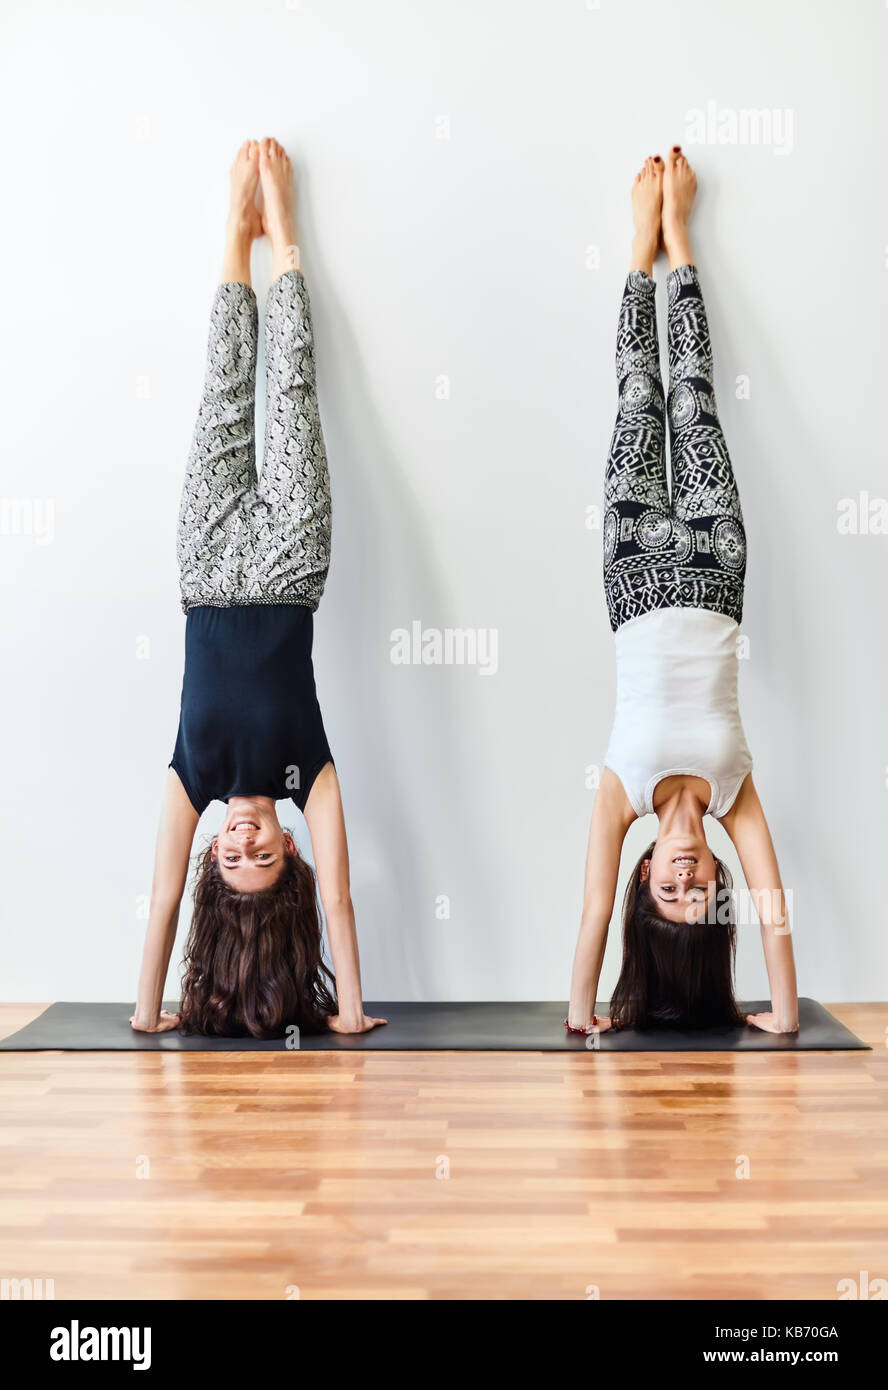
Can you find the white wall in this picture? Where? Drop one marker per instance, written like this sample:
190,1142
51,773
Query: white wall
463,257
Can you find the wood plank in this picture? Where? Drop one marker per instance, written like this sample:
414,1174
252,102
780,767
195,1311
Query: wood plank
566,1171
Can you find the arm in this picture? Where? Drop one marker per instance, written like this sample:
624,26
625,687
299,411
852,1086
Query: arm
747,827
175,837
612,815
326,826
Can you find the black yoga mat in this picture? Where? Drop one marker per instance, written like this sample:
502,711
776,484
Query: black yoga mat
436,1027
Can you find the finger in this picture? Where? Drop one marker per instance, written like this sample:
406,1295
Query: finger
379,1022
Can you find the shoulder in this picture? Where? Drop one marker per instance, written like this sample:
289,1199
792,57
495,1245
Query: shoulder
745,808
179,800
612,803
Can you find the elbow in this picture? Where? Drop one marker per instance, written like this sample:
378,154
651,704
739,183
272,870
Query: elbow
338,903
164,907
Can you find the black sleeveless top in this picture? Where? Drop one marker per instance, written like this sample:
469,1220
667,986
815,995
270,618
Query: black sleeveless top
249,723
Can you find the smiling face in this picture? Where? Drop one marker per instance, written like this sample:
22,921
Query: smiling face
251,848
681,877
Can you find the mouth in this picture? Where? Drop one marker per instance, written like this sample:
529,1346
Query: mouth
685,861
243,825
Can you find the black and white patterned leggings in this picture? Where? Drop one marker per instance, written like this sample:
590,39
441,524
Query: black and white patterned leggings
248,538
690,551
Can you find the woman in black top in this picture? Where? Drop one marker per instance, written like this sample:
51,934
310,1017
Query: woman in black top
253,557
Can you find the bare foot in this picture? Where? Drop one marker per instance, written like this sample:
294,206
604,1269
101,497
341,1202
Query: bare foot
679,191
244,223
278,223
647,201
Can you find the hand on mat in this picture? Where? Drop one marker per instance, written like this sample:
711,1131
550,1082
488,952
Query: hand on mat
601,1025
164,1024
768,1024
339,1023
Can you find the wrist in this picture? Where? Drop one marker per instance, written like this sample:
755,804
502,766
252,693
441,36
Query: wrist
351,1011
573,1027
786,1010
146,1013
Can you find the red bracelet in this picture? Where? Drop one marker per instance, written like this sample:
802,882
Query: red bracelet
584,1031
615,1025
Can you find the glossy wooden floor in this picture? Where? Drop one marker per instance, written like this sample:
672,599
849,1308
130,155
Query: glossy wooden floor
209,1175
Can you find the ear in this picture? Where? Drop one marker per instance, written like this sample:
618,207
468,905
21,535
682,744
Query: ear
214,848
645,870
289,843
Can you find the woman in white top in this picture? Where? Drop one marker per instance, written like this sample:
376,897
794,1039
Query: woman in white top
673,576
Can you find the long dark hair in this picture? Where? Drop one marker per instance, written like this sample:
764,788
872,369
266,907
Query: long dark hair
676,974
253,961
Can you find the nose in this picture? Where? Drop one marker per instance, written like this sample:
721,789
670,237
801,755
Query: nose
685,875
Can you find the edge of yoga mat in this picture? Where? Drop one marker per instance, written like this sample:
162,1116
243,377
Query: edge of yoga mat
432,1027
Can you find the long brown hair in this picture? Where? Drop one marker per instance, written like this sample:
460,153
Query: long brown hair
676,974
253,962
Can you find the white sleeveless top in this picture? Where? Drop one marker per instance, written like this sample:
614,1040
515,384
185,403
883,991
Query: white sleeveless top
677,709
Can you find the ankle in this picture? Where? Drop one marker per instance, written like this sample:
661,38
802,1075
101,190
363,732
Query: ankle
679,253
676,241
285,256
236,260
644,252
280,230
241,229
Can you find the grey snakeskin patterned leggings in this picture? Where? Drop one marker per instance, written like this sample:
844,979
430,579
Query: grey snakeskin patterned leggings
690,551
246,538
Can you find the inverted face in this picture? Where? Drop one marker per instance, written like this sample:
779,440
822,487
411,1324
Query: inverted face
251,848
681,876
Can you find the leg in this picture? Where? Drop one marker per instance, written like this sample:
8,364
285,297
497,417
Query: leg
704,490
221,465
635,488
295,483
